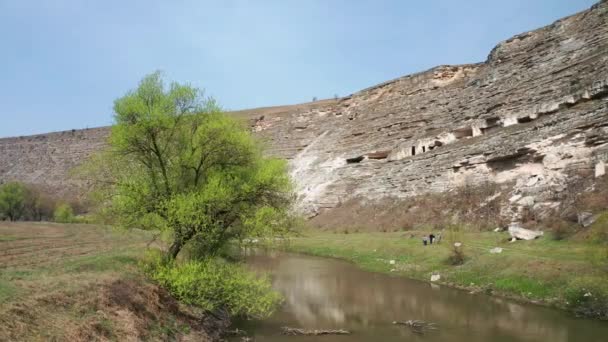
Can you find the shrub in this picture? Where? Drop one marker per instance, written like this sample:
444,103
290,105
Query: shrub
38,205
559,228
588,298
456,256
455,238
214,284
63,214
12,200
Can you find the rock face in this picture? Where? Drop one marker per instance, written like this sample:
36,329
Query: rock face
534,114
47,160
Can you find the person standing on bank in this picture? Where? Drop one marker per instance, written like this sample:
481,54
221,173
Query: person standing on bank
431,238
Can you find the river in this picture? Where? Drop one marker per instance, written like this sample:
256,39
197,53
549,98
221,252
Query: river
323,293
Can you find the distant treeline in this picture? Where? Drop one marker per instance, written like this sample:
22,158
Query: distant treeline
21,202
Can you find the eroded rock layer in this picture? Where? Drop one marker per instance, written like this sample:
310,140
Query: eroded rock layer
534,114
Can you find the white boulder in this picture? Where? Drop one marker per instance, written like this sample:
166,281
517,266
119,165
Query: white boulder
520,233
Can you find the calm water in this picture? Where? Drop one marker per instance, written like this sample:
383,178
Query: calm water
325,293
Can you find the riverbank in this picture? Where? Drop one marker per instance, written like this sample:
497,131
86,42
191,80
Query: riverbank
570,274
71,282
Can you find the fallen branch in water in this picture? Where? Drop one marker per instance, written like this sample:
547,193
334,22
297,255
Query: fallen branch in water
417,326
236,332
295,331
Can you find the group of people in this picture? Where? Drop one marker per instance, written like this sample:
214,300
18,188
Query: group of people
431,238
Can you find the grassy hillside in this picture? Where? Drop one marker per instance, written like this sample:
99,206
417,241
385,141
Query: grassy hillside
81,283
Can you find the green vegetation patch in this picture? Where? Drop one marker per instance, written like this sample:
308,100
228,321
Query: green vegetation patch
524,286
588,297
101,263
7,290
214,284
8,238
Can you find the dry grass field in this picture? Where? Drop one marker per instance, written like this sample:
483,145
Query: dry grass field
70,282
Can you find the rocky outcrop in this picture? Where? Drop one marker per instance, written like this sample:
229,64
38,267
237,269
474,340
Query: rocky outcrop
48,160
534,114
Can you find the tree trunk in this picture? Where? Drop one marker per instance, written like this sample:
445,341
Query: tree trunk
180,240
175,248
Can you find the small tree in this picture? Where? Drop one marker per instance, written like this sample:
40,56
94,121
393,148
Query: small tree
38,205
177,163
12,200
63,213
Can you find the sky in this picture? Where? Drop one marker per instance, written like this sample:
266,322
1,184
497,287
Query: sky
64,62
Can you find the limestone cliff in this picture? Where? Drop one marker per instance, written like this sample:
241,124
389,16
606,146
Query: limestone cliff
534,114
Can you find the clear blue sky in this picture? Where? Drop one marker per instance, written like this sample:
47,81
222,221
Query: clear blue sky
63,62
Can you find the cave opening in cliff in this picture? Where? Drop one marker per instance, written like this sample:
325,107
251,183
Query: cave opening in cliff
413,150
423,149
524,119
354,160
463,132
491,122
490,125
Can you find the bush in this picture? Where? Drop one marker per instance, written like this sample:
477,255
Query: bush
588,298
455,239
63,214
214,284
39,205
559,228
456,256
12,200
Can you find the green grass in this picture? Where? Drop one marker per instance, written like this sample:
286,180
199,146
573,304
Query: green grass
7,290
541,270
8,238
112,262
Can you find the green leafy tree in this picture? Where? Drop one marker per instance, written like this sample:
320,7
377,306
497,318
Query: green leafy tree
63,213
12,200
176,162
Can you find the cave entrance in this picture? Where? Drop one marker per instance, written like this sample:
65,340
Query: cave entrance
524,119
463,132
413,150
354,160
